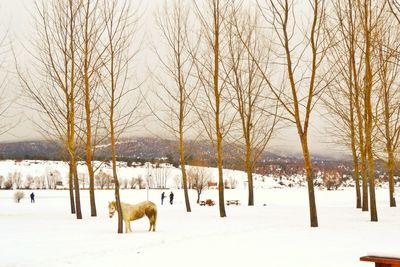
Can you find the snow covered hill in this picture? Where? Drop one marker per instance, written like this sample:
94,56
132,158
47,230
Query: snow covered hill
37,174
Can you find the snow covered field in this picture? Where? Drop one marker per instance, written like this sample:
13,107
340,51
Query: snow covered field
278,234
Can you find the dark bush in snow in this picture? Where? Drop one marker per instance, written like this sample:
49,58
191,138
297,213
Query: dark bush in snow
8,184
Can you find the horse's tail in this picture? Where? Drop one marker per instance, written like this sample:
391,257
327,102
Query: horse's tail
154,215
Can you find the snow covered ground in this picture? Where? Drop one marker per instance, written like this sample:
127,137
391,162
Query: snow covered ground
274,234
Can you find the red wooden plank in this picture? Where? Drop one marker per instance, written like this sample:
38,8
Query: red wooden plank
382,261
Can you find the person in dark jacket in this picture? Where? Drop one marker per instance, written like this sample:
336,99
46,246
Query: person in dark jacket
171,198
32,197
162,197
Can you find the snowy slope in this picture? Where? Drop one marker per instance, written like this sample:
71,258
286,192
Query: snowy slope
46,168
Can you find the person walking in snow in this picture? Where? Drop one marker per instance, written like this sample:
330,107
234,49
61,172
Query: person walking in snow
171,198
32,197
162,197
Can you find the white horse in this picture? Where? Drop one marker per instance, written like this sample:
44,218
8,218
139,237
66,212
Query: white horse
134,212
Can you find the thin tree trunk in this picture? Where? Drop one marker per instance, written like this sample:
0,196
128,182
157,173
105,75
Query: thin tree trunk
77,193
310,182
360,120
369,114
116,182
353,145
112,135
389,147
391,167
249,171
183,168
356,176
182,103
71,189
93,211
222,211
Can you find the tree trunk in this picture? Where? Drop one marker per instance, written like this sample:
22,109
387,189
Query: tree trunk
310,181
353,147
114,168
71,189
93,211
371,176
369,115
360,128
71,119
217,93
221,199
249,171
391,167
77,193
182,150
360,119
356,177
389,148
184,178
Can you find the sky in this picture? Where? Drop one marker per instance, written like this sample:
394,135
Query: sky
16,19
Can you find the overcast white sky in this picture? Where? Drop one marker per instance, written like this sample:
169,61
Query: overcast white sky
16,17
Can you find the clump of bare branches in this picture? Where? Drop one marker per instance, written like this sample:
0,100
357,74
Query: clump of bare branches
18,196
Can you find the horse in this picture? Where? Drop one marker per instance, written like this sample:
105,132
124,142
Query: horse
134,212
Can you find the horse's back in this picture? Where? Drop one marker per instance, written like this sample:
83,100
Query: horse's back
149,207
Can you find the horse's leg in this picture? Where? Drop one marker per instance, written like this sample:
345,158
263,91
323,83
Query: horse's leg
151,224
129,226
152,220
126,226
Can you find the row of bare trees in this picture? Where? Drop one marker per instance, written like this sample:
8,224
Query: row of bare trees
363,101
239,82
214,82
238,68
80,81
230,71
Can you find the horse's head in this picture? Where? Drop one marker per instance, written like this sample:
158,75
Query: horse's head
112,207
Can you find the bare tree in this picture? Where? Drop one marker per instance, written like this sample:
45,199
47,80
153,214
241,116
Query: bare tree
29,181
119,34
369,14
18,195
198,177
91,53
388,61
256,111
210,107
394,6
125,183
53,89
342,96
306,77
16,179
102,179
173,23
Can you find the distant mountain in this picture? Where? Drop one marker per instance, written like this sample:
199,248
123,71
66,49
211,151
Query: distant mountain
140,148
30,150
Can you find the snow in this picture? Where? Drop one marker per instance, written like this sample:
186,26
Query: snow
37,168
275,232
